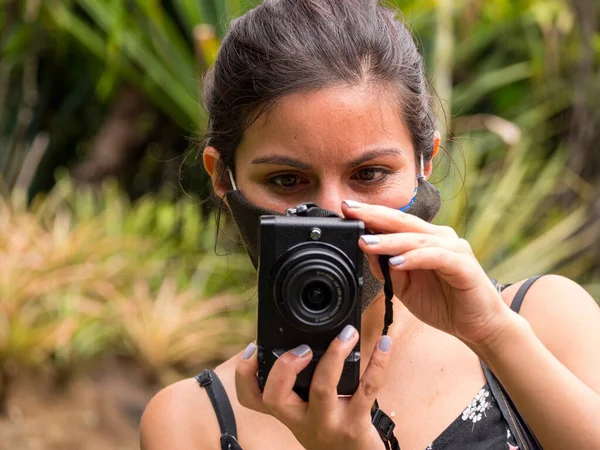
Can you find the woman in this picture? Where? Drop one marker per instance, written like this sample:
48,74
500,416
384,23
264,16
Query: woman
326,101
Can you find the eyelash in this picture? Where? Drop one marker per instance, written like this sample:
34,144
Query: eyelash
273,181
384,173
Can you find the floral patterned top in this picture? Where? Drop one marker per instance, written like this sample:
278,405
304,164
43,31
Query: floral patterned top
480,426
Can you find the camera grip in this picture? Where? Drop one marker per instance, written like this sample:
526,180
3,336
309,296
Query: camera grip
262,369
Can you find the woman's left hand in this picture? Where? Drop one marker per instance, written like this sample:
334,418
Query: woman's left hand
434,273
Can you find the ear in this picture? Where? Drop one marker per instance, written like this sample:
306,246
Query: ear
436,147
212,164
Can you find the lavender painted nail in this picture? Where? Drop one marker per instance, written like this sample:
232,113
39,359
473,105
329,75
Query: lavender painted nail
397,260
352,204
385,343
369,239
301,350
249,351
347,333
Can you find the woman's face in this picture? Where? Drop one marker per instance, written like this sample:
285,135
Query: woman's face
335,144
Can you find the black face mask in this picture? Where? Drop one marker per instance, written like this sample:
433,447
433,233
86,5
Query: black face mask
425,204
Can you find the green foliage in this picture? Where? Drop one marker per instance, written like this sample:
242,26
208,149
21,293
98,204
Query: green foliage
136,41
142,42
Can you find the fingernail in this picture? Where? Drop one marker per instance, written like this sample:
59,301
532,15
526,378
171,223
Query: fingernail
301,350
249,351
352,204
347,333
369,239
385,343
397,260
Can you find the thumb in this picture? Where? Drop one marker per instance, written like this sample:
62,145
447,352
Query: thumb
373,378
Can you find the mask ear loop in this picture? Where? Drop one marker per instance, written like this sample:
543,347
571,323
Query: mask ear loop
231,179
220,208
422,173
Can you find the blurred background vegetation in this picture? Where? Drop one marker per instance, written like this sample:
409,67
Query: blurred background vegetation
106,240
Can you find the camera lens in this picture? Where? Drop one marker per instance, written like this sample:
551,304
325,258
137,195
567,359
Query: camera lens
316,296
315,286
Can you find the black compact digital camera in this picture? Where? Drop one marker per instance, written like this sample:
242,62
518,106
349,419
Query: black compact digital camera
309,288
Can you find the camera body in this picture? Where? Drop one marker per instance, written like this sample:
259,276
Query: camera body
309,288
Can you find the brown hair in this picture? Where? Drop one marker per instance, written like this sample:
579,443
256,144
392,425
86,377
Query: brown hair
288,46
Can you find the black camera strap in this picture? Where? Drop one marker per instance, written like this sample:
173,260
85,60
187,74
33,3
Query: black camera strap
382,422
388,290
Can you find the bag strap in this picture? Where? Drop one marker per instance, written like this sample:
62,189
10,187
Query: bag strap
525,438
222,406
523,435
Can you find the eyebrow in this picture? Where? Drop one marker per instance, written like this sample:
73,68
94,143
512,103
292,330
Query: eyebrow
278,160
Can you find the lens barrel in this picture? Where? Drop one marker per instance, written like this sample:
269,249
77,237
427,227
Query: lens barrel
315,286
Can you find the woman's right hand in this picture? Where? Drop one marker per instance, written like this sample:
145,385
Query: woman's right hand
326,420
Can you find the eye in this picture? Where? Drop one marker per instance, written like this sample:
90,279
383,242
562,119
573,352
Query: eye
287,181
372,175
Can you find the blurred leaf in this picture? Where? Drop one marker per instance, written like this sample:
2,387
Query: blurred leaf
467,95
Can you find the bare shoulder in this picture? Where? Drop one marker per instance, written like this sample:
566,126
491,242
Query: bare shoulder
181,416
567,320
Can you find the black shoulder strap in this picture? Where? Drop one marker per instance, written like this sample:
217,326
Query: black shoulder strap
220,402
525,438
520,295
523,435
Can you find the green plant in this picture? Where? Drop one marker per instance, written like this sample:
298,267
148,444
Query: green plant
140,41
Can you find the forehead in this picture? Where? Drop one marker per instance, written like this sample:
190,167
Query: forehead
331,125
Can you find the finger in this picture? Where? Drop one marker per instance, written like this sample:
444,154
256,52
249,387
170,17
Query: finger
460,271
381,219
246,384
373,378
323,399
278,395
399,243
